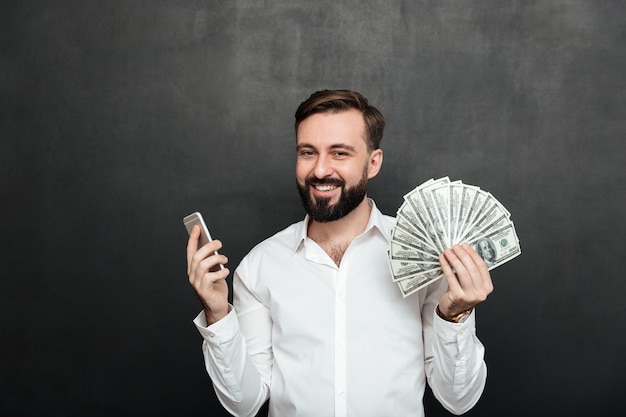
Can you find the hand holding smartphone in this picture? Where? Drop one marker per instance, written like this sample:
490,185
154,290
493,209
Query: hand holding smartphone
205,237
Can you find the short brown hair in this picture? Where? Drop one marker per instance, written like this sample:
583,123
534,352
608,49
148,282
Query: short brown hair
339,100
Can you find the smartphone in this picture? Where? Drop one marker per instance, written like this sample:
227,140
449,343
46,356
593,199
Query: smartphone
205,237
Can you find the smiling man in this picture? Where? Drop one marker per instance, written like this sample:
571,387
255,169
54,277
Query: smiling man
317,325
335,161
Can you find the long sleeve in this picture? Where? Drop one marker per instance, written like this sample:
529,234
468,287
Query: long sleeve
240,371
454,359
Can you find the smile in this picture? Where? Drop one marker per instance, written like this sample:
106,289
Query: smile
325,187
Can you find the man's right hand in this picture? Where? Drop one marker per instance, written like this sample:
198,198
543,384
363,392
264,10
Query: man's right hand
211,287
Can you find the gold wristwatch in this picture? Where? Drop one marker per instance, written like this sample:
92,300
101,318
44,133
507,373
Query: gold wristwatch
457,318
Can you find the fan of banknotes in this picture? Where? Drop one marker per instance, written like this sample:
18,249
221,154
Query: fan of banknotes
441,213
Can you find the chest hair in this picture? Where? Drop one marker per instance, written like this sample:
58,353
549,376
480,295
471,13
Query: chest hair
335,251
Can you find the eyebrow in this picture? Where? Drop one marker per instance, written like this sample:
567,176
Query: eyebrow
335,146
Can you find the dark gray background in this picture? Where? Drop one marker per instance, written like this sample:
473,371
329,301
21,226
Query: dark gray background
120,117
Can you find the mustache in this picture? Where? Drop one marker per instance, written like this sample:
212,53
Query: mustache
324,181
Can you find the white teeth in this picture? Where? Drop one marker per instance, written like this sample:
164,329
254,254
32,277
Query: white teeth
325,187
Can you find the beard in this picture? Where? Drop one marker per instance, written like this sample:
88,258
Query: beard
320,210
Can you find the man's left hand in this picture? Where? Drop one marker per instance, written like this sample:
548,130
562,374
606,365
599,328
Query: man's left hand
469,281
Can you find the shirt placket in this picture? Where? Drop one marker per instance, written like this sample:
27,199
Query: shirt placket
340,344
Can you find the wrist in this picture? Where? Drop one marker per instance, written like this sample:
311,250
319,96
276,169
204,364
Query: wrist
213,316
456,318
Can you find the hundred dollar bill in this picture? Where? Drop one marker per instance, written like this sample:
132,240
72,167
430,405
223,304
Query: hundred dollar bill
413,209
417,252
497,246
479,229
466,197
401,236
456,195
412,285
407,220
411,269
436,226
493,217
422,204
442,208
477,206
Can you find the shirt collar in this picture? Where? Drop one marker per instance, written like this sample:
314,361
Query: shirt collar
375,221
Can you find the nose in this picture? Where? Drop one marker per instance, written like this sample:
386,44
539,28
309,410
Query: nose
323,167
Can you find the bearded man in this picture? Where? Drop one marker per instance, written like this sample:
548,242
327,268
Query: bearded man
317,324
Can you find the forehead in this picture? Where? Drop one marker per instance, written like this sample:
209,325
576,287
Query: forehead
347,126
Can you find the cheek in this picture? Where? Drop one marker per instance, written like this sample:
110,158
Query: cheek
302,171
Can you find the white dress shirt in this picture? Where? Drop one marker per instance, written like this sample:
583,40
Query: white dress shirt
325,340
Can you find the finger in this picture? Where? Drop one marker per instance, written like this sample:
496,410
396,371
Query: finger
480,276
453,282
211,263
192,246
206,260
210,285
210,278
478,261
477,268
207,250
462,265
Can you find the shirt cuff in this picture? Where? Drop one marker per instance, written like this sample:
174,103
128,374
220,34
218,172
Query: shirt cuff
452,332
221,331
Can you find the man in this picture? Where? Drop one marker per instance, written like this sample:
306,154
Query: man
317,324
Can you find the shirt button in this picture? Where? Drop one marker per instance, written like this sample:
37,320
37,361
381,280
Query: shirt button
340,295
340,393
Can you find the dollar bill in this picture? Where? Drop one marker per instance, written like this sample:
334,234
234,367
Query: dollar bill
468,195
477,205
441,200
421,201
492,217
402,269
414,284
409,222
497,246
416,252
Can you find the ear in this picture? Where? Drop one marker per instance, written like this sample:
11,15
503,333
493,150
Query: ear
375,163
